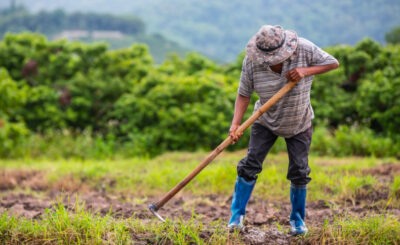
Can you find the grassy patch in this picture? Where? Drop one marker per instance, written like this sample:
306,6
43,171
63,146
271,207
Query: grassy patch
59,226
333,178
395,188
62,226
379,229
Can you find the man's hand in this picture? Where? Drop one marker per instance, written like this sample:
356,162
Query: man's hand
296,74
241,104
299,73
232,130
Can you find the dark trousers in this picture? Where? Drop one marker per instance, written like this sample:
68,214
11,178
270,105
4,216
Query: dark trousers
261,141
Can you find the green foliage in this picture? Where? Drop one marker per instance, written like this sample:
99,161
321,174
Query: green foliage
90,100
12,137
331,103
12,97
36,61
136,182
60,226
136,107
90,97
348,141
363,91
184,111
379,100
42,110
16,51
368,46
57,144
378,229
221,29
154,176
12,133
133,63
395,188
393,36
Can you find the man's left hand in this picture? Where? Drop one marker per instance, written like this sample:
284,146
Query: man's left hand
296,74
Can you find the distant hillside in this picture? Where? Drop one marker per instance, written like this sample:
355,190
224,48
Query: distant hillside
221,29
118,31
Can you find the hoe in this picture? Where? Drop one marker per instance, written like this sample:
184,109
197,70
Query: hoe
154,207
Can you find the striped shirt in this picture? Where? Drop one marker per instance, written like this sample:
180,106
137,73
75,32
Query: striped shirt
293,113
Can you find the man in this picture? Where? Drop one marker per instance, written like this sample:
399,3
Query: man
275,56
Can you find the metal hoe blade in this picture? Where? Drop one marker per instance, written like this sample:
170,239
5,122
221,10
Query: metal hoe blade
153,209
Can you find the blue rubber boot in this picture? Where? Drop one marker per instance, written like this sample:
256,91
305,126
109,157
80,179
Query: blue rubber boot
240,198
298,196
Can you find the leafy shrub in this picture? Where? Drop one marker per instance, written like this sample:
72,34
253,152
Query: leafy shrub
393,36
119,101
173,113
11,98
348,141
12,136
379,101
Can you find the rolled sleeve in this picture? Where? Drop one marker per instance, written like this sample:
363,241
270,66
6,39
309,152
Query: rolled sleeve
246,79
320,57
314,55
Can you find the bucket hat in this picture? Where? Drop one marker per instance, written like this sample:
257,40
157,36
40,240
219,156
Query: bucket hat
272,45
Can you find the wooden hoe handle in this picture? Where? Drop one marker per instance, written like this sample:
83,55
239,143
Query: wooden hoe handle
228,141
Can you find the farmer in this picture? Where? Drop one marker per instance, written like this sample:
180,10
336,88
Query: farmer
275,56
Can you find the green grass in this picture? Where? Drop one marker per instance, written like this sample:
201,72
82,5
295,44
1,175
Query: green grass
378,229
331,177
60,226
395,188
334,180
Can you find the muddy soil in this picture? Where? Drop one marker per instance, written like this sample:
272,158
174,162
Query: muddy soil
266,220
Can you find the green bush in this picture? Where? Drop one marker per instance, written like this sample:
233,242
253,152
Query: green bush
12,137
350,141
379,101
121,102
393,36
11,98
174,113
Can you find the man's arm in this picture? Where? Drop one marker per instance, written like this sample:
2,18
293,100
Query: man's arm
241,104
298,73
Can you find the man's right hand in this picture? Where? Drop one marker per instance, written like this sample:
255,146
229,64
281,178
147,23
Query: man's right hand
232,133
241,104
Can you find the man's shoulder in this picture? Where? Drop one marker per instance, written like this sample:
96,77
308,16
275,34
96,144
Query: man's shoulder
305,44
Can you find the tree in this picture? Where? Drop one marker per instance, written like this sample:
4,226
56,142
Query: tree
393,36
12,97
